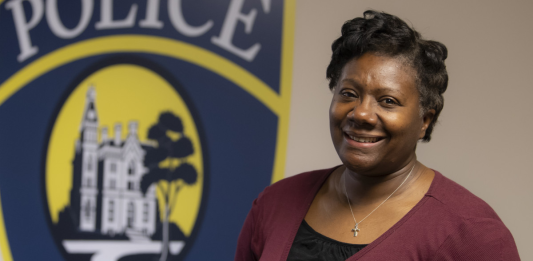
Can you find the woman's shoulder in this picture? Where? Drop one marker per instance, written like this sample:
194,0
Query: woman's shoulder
459,200
296,187
304,179
475,232
467,227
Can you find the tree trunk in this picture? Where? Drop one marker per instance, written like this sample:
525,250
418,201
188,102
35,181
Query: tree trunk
165,241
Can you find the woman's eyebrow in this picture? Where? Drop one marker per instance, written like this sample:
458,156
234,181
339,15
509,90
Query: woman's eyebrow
350,81
382,89
388,90
379,89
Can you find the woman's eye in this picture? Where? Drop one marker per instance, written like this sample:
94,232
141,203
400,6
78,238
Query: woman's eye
348,94
389,101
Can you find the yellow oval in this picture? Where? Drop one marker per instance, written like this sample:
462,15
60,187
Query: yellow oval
124,93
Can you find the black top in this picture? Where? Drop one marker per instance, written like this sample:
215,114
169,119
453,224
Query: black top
311,245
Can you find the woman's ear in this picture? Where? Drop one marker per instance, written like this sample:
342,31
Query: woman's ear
427,118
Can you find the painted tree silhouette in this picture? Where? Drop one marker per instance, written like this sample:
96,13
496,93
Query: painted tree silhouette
167,163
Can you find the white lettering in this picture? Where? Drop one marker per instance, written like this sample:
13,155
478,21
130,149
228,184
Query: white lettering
224,39
57,27
266,5
106,17
152,16
23,28
233,16
176,17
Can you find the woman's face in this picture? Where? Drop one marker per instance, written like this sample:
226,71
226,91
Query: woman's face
375,119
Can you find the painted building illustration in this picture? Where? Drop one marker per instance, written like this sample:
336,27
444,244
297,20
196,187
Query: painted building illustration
106,197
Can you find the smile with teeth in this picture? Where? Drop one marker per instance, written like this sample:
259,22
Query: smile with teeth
364,139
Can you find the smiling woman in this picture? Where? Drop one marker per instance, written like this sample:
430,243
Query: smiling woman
375,115
381,203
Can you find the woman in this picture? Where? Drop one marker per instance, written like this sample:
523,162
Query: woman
381,203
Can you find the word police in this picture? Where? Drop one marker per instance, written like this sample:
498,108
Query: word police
151,20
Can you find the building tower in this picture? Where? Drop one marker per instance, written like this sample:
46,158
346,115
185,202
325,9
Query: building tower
88,148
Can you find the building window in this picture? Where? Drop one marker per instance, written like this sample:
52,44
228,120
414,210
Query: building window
131,168
90,164
145,212
89,182
131,185
87,209
131,214
112,184
113,167
111,211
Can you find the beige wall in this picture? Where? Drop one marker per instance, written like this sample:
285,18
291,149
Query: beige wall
484,140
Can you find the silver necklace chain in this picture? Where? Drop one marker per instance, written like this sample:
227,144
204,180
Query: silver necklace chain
356,229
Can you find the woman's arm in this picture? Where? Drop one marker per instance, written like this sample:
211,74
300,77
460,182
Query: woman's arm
244,244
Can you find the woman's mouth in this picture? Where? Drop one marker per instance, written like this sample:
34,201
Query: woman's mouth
364,139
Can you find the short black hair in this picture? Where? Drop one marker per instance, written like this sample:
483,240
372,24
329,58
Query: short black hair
387,35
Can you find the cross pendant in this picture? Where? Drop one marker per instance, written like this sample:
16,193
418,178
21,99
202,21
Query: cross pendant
355,230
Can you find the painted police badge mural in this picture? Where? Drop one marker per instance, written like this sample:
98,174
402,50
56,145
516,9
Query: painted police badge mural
126,182
139,130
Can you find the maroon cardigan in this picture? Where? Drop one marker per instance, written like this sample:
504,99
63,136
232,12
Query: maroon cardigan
449,223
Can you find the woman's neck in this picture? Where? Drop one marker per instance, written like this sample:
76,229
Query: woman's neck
368,189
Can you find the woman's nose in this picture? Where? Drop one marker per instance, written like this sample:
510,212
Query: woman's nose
364,113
